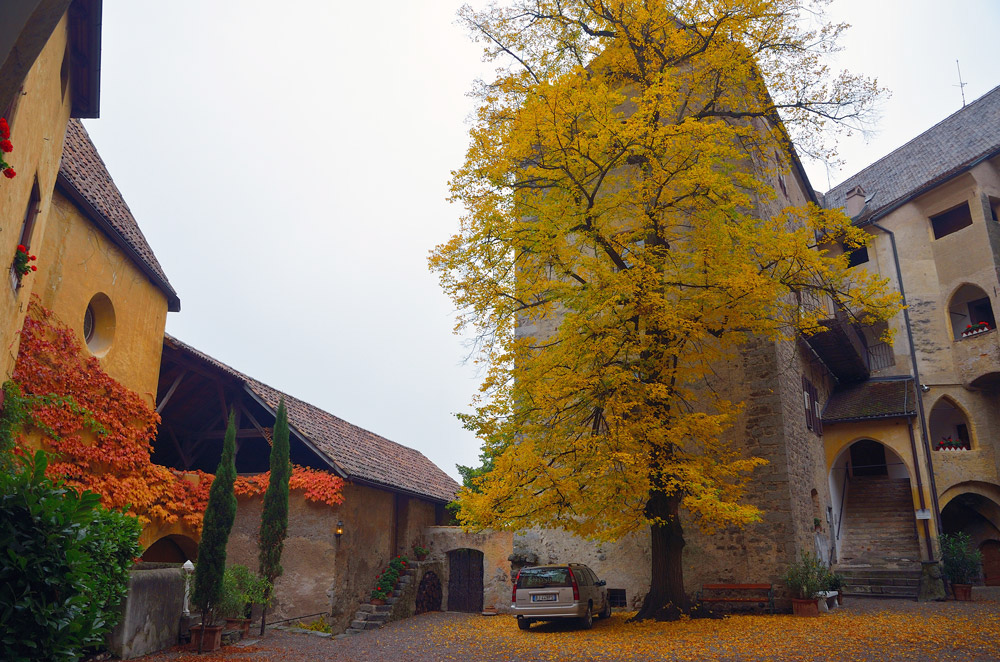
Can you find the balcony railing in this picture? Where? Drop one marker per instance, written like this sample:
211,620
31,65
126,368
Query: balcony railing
842,348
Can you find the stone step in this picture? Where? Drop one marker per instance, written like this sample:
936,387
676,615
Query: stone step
375,609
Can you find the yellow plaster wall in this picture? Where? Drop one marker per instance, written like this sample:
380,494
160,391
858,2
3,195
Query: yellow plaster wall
37,131
77,261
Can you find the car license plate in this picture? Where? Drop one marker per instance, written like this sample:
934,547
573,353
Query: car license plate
544,597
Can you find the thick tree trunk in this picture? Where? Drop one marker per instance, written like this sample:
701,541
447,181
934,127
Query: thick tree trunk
666,599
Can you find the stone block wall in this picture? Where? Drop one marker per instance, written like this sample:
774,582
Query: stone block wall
321,572
151,613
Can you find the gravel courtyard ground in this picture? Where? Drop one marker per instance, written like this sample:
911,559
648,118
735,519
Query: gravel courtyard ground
868,630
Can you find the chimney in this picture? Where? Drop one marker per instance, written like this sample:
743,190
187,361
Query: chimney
855,201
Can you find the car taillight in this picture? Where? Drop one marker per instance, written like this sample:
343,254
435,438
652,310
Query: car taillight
576,587
513,593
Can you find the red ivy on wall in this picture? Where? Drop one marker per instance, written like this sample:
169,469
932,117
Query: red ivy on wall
101,433
319,486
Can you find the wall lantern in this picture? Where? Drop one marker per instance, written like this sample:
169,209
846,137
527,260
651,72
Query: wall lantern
339,531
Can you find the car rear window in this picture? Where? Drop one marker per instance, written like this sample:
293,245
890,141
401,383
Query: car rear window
543,577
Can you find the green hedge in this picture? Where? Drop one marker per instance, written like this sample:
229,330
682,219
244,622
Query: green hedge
64,563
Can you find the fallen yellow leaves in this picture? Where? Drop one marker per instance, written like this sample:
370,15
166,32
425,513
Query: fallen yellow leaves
936,632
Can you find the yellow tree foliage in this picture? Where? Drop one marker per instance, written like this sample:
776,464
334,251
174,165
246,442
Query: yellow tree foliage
621,238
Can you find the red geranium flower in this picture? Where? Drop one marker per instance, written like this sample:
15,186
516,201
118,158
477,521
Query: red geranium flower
6,145
9,173
34,268
4,128
21,248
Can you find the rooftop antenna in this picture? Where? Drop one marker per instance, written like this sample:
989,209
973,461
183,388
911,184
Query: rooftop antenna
961,85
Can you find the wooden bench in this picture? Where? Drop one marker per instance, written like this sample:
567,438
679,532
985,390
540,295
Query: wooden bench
764,597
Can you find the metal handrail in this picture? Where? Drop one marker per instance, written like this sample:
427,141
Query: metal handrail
843,499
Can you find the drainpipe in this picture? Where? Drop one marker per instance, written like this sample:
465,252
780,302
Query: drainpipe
920,403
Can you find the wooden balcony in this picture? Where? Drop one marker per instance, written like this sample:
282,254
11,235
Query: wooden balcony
842,348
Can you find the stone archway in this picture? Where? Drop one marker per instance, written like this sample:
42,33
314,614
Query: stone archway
428,593
465,580
171,549
874,520
972,508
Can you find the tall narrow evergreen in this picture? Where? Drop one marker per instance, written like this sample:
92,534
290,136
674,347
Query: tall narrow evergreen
219,516
274,518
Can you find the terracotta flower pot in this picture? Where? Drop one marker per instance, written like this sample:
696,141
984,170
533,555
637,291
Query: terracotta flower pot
212,638
963,592
808,607
840,597
377,601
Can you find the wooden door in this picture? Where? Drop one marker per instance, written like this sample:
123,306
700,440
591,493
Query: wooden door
465,580
991,562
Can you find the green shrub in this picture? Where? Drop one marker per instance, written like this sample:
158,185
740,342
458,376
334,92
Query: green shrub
241,589
64,566
959,560
806,577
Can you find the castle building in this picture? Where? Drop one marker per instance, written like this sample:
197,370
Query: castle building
908,462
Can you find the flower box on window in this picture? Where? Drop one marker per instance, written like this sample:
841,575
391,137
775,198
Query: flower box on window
949,444
976,329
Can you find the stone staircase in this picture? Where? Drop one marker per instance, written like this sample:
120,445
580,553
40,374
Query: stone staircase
879,552
879,529
881,583
372,617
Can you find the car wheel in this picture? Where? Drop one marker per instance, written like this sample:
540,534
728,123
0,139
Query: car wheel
587,620
523,623
606,612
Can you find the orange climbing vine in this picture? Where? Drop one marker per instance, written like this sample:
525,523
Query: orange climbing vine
100,433
319,486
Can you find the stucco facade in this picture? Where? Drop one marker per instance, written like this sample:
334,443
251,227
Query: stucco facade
38,124
936,238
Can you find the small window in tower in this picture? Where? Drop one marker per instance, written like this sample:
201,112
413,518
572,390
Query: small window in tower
951,221
88,324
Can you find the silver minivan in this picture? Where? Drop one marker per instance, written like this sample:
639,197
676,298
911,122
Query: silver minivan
553,592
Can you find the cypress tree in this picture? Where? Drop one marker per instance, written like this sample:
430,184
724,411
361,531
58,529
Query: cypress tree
274,518
219,516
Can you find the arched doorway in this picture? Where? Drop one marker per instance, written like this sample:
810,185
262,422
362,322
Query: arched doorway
873,520
428,593
465,580
171,549
978,515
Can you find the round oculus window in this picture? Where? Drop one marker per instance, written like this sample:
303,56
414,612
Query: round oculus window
99,324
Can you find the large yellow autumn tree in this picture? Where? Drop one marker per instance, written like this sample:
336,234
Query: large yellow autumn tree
621,238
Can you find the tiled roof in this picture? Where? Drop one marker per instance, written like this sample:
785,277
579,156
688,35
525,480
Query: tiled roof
83,175
876,398
944,150
362,455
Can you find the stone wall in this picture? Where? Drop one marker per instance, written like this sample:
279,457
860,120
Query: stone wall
151,612
321,572
496,547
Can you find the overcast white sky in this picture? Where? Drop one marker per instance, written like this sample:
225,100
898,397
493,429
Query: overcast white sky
288,164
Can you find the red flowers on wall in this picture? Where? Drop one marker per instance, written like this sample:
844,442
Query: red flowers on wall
5,147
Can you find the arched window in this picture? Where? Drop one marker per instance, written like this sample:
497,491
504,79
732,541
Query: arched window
950,429
970,311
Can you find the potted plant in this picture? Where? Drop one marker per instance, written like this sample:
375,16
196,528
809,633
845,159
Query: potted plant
241,589
420,553
385,583
960,563
835,582
805,578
